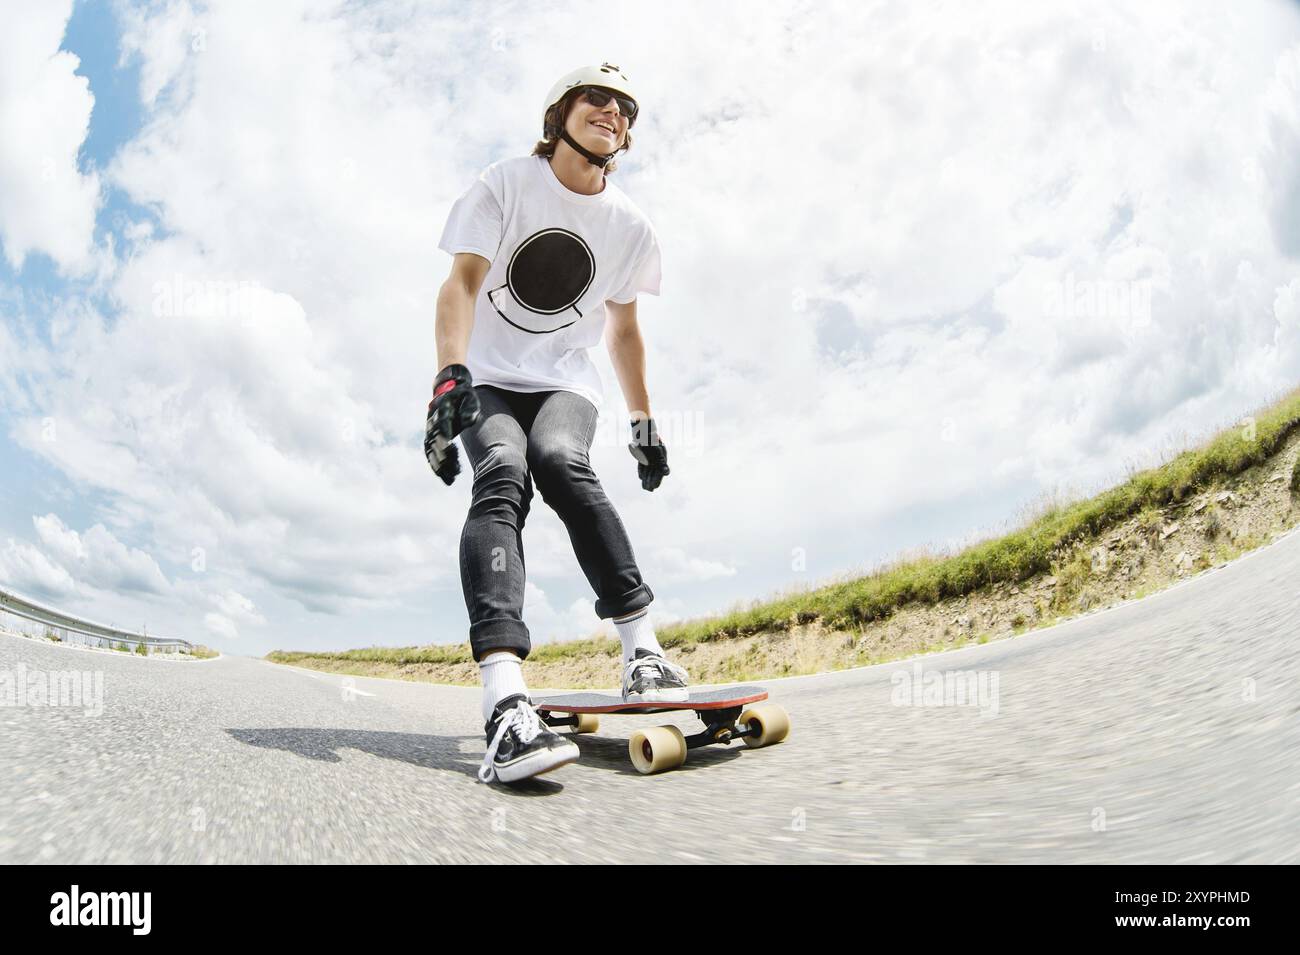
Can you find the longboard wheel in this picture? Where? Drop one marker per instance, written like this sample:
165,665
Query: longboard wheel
656,749
587,723
773,724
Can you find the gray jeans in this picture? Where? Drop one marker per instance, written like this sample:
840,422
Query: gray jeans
543,437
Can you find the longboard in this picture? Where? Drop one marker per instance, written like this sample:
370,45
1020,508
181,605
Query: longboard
728,713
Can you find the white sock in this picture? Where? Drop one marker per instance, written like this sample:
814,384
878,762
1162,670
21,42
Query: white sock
637,634
503,675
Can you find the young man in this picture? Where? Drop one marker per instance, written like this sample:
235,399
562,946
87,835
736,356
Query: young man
544,247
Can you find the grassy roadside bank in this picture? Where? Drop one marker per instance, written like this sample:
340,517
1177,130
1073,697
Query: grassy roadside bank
1202,508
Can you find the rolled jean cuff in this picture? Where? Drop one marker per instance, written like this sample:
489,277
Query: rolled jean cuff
503,634
635,599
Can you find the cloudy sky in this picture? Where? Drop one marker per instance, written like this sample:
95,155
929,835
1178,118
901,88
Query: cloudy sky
924,265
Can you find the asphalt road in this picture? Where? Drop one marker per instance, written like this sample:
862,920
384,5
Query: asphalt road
1167,730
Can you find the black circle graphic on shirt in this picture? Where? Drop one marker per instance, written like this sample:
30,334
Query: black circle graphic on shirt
549,273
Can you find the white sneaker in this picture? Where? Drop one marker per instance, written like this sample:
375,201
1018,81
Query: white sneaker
649,678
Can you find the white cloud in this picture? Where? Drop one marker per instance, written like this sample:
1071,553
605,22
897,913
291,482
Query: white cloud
49,205
547,623
161,36
28,571
1286,313
236,606
1280,159
99,559
222,627
928,263
673,564
59,539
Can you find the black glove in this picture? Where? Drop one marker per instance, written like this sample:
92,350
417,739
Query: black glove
454,408
651,456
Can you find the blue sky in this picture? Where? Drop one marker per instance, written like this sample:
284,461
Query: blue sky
933,271
92,36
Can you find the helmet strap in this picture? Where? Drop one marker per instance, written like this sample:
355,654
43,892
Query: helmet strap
594,158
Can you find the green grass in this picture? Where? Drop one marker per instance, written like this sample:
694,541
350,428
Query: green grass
1150,518
1071,577
445,654
1050,542
455,653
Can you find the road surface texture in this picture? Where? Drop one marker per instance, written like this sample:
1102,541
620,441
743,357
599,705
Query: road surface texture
1166,730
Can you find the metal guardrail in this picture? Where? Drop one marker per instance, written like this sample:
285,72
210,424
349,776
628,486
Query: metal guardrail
23,615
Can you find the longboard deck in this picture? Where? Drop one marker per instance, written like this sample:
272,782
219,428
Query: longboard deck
718,699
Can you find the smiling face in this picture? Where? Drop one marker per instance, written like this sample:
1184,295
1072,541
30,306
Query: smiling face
586,124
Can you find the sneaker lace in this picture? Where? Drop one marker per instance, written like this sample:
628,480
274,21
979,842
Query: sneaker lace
527,724
660,664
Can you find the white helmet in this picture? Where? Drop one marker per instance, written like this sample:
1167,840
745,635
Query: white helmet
606,76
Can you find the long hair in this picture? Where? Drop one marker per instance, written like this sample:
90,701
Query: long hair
558,115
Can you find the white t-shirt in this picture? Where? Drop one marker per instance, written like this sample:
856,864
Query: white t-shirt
556,256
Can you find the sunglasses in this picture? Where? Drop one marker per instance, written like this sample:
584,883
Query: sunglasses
599,97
